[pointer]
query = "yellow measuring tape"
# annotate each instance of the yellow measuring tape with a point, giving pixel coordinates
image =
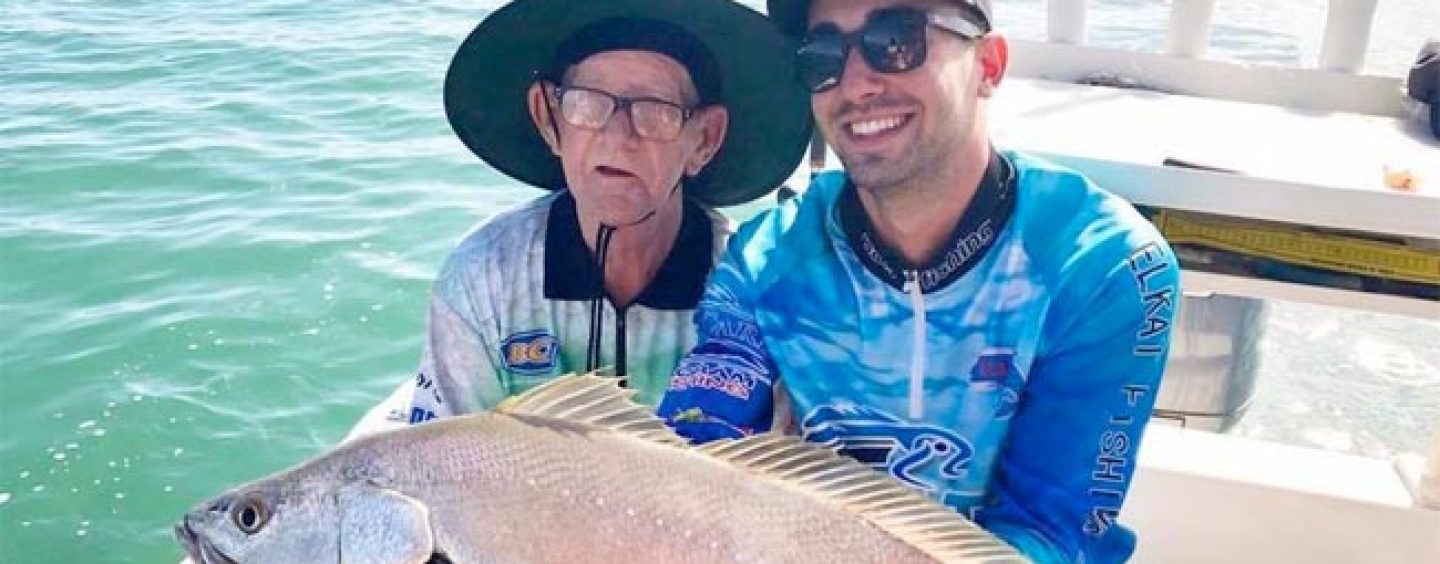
(1297, 246)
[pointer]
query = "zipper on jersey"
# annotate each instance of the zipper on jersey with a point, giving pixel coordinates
(917, 349)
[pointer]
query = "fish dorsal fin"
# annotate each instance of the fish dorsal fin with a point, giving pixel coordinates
(931, 527)
(591, 400)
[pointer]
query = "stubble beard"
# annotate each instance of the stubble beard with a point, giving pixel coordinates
(891, 177)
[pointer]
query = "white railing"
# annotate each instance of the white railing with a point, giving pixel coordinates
(1334, 82)
(1065, 22)
(1347, 33)
(1347, 29)
(1190, 27)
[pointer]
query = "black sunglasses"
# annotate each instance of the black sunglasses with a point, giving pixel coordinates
(891, 41)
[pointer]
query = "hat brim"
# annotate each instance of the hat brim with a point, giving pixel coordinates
(487, 83)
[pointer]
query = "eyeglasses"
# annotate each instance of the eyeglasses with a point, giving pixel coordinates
(891, 41)
(651, 118)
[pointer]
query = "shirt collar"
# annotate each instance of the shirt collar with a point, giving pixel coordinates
(571, 272)
(976, 231)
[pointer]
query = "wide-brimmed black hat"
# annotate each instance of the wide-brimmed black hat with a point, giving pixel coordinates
(792, 16)
(488, 80)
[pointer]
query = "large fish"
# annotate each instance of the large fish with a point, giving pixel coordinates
(573, 471)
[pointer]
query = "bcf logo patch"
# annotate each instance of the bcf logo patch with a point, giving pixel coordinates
(530, 352)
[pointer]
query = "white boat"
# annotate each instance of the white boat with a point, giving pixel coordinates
(1312, 146)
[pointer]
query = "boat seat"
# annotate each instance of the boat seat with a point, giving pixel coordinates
(1324, 169)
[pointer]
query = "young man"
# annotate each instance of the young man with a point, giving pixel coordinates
(640, 115)
(984, 326)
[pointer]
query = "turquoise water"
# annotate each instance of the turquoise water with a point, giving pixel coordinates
(218, 223)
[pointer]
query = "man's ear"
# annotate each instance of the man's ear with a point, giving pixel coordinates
(994, 59)
(541, 116)
(713, 121)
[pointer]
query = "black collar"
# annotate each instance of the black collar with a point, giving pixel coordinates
(571, 272)
(989, 210)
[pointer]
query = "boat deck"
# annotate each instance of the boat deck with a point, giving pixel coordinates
(1201, 497)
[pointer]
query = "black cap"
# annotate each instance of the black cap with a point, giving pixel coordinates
(793, 16)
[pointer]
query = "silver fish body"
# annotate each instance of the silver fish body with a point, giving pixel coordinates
(574, 472)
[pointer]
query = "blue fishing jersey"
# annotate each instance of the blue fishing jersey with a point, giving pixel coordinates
(1011, 378)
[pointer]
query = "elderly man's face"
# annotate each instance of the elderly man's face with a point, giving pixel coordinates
(889, 129)
(615, 174)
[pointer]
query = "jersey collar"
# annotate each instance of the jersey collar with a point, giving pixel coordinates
(572, 274)
(974, 234)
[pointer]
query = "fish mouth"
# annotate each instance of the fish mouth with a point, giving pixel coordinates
(197, 549)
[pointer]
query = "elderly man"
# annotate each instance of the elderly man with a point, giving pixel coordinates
(982, 325)
(640, 116)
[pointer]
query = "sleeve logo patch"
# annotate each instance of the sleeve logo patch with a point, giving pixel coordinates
(996, 367)
(529, 352)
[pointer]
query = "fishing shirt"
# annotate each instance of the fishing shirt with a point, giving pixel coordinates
(1010, 378)
(512, 308)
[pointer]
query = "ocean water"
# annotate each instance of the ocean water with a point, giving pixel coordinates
(218, 222)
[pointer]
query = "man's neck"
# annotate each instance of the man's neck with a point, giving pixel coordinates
(917, 219)
(636, 251)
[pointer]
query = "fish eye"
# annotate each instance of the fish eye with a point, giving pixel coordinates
(250, 514)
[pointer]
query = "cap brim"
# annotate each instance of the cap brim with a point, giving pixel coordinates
(792, 17)
(770, 124)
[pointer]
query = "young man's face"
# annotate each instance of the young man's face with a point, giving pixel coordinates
(616, 174)
(889, 129)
